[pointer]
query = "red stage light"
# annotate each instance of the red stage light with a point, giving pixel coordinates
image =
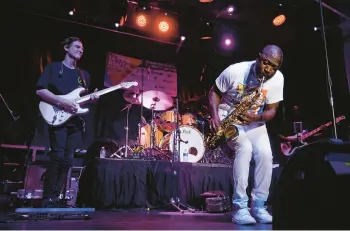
(279, 20)
(141, 20)
(163, 26)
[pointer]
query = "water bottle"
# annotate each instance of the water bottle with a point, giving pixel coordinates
(103, 152)
(185, 156)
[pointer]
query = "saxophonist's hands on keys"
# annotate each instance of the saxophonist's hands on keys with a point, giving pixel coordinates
(249, 118)
(215, 124)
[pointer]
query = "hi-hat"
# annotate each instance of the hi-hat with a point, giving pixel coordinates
(131, 97)
(156, 100)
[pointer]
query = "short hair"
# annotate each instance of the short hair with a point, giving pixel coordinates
(68, 41)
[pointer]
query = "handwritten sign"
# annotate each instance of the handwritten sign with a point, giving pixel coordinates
(150, 75)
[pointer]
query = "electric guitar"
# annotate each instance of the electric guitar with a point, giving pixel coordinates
(288, 147)
(56, 116)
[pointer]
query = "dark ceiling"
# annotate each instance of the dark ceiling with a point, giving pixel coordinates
(192, 15)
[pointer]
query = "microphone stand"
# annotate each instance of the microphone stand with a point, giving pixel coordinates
(15, 118)
(329, 80)
(126, 146)
(2, 138)
(175, 201)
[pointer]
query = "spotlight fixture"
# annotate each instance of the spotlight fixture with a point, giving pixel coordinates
(279, 20)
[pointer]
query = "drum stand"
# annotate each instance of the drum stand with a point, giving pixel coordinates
(126, 146)
(175, 201)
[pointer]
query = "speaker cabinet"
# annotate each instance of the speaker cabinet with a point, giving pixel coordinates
(313, 189)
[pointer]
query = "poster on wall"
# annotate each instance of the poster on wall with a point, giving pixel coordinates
(156, 76)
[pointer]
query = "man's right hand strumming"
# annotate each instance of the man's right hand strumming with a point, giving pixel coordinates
(67, 105)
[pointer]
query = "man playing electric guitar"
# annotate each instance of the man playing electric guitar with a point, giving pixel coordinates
(301, 138)
(60, 78)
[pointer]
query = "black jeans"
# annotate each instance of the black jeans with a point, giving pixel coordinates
(63, 141)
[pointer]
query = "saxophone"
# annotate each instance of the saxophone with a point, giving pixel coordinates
(228, 131)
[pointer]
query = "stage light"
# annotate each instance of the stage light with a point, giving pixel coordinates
(205, 1)
(71, 13)
(116, 24)
(227, 42)
(141, 20)
(183, 38)
(230, 9)
(279, 20)
(163, 26)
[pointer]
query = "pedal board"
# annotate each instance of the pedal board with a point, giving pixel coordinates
(54, 213)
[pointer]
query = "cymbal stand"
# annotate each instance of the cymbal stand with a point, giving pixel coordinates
(175, 201)
(126, 146)
(152, 130)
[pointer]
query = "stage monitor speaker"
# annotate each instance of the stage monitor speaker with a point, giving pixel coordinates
(313, 190)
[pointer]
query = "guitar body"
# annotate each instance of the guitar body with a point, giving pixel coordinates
(55, 116)
(288, 147)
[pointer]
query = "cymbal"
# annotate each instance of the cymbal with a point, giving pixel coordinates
(131, 97)
(157, 100)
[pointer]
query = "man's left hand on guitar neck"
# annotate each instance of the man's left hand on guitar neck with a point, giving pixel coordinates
(94, 97)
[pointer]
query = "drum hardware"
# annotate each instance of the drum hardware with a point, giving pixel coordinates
(155, 101)
(131, 97)
(126, 146)
(175, 200)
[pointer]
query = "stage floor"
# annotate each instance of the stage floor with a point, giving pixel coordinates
(138, 220)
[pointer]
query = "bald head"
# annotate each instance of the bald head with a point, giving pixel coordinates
(273, 53)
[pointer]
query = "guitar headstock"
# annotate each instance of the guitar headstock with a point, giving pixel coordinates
(129, 84)
(339, 118)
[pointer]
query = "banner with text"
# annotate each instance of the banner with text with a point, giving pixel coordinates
(156, 76)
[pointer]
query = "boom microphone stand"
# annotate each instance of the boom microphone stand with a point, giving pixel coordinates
(175, 201)
(126, 146)
(15, 118)
(2, 138)
(329, 80)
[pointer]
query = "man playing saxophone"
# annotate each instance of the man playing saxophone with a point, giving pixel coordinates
(235, 84)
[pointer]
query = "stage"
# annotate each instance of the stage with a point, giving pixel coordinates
(136, 219)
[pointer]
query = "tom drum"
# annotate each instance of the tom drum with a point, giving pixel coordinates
(145, 136)
(167, 121)
(188, 119)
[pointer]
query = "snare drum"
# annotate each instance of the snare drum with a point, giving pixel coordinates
(193, 141)
(145, 136)
(188, 119)
(167, 121)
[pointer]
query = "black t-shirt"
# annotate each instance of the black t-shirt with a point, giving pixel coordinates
(61, 80)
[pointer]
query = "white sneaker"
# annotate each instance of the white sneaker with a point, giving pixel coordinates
(243, 217)
(261, 215)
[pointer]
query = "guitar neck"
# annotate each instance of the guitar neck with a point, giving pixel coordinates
(307, 135)
(98, 93)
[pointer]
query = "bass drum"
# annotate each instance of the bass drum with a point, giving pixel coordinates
(193, 141)
(145, 136)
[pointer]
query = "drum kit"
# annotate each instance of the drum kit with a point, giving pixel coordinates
(169, 133)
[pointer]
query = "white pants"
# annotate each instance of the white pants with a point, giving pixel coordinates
(252, 142)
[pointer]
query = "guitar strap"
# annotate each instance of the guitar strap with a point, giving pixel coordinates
(81, 75)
